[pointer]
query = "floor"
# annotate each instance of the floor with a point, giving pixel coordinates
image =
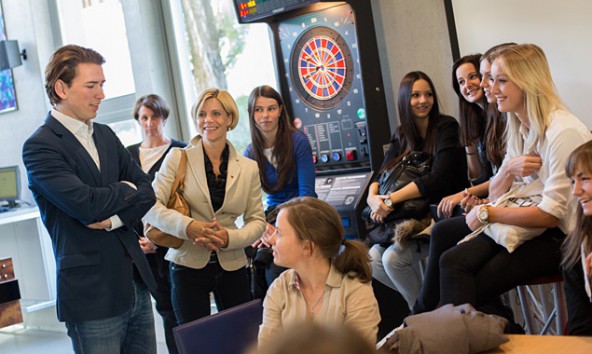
(42, 333)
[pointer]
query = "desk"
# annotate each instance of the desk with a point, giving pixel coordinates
(23, 237)
(526, 344)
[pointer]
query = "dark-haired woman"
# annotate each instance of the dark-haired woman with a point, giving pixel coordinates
(283, 154)
(422, 128)
(482, 129)
(151, 112)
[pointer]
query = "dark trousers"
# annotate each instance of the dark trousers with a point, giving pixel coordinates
(162, 295)
(191, 290)
(478, 270)
(579, 307)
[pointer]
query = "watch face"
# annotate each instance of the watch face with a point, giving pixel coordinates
(483, 214)
(388, 202)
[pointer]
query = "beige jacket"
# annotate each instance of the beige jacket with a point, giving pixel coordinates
(243, 197)
(346, 300)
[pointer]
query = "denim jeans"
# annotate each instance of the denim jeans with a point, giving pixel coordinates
(398, 267)
(191, 290)
(131, 332)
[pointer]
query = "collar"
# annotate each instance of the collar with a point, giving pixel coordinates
(333, 280)
(73, 125)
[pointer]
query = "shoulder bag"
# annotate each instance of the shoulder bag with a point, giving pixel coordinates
(412, 166)
(176, 202)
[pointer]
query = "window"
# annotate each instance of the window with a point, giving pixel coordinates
(99, 24)
(215, 51)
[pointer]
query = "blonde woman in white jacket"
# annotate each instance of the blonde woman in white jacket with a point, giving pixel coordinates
(220, 186)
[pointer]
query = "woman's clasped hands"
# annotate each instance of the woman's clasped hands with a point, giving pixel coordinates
(379, 209)
(209, 235)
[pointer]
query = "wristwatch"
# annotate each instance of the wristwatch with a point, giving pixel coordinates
(483, 214)
(388, 202)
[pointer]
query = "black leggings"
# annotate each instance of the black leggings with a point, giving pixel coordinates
(478, 270)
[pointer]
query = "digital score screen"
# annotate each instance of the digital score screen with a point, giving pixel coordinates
(252, 10)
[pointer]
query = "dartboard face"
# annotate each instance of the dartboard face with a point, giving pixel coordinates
(322, 67)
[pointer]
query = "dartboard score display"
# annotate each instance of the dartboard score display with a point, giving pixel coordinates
(322, 71)
(252, 10)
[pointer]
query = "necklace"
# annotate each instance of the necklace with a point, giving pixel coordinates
(312, 308)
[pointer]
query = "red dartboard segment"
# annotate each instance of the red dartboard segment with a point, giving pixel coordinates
(322, 67)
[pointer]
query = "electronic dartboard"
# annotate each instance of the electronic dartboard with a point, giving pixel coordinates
(321, 68)
(329, 76)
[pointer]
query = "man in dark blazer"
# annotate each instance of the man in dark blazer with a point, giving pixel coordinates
(90, 193)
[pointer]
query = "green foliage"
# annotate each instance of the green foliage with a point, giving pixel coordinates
(241, 135)
(232, 37)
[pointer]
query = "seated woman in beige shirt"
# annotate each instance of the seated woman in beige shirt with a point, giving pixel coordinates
(329, 279)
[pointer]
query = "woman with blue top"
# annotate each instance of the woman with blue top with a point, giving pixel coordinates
(284, 157)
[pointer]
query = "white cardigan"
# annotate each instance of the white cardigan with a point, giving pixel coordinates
(243, 197)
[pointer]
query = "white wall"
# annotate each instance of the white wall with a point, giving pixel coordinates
(23, 24)
(563, 29)
(413, 35)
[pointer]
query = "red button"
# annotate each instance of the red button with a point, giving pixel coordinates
(350, 155)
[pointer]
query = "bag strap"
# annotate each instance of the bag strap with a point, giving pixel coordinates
(179, 182)
(396, 171)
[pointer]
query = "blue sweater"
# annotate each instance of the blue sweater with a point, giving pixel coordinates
(304, 182)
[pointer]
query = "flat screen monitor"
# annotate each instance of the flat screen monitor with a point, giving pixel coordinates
(9, 185)
(253, 10)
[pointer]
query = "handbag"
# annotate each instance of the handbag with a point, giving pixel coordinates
(259, 259)
(176, 202)
(414, 165)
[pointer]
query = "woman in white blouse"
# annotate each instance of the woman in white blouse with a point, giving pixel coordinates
(151, 112)
(512, 245)
(329, 279)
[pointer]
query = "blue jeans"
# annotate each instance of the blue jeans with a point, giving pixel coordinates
(131, 332)
(399, 267)
(191, 290)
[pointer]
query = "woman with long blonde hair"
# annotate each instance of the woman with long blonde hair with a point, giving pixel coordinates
(541, 134)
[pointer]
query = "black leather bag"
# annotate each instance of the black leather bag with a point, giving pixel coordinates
(260, 259)
(412, 166)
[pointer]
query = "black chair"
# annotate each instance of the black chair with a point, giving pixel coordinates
(231, 331)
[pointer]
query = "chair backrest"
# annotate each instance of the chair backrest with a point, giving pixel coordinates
(231, 331)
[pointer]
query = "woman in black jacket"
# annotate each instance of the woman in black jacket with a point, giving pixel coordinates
(151, 112)
(422, 128)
